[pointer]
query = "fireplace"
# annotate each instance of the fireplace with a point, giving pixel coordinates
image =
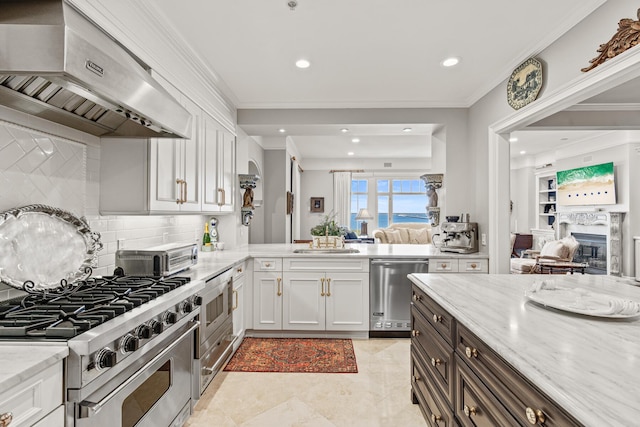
(592, 251)
(602, 235)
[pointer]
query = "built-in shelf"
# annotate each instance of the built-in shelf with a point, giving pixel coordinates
(546, 193)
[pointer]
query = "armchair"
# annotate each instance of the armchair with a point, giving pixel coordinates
(562, 250)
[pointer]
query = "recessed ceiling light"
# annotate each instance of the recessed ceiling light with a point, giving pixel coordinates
(282, 130)
(407, 130)
(344, 130)
(303, 63)
(355, 140)
(450, 62)
(523, 152)
(350, 153)
(513, 139)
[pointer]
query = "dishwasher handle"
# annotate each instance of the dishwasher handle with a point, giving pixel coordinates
(398, 261)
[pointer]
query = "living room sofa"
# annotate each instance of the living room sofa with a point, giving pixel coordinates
(404, 233)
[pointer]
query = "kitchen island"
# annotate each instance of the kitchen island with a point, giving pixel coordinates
(588, 366)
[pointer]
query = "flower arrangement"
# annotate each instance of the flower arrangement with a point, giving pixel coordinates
(328, 227)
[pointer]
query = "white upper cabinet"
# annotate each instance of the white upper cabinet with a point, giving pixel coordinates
(219, 167)
(164, 175)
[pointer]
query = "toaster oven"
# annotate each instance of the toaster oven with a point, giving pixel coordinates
(163, 260)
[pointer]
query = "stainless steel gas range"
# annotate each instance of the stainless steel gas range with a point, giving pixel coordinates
(131, 346)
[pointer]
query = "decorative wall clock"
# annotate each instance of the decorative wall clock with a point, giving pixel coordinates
(525, 83)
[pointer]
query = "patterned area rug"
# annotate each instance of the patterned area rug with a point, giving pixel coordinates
(318, 355)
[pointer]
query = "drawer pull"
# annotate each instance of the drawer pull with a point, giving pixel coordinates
(435, 418)
(267, 264)
(435, 362)
(443, 265)
(471, 352)
(417, 297)
(474, 265)
(468, 411)
(416, 378)
(535, 417)
(322, 293)
(239, 270)
(279, 280)
(415, 333)
(5, 419)
(437, 319)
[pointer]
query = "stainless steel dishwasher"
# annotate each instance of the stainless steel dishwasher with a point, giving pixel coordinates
(390, 295)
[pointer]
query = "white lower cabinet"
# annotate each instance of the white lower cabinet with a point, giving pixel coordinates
(319, 301)
(458, 265)
(37, 400)
(239, 279)
(318, 294)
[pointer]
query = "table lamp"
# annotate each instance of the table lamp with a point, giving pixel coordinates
(363, 215)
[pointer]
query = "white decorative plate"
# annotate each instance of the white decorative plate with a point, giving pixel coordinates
(45, 246)
(582, 301)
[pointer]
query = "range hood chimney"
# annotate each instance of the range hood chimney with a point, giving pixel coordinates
(57, 65)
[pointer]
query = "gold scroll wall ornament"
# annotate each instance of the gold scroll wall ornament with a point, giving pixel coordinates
(627, 36)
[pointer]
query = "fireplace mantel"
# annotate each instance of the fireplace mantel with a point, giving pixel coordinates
(604, 223)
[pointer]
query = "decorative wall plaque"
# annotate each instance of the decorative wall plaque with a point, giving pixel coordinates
(524, 84)
(627, 36)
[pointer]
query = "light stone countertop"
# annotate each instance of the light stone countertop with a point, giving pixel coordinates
(589, 366)
(21, 361)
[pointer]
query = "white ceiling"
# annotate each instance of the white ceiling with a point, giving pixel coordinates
(365, 53)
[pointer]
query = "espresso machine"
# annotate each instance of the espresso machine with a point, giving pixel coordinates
(459, 237)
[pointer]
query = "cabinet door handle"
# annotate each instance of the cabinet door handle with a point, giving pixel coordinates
(471, 352)
(535, 416)
(435, 362)
(322, 287)
(235, 292)
(437, 319)
(468, 411)
(279, 280)
(179, 200)
(5, 419)
(185, 198)
(221, 192)
(436, 418)
(328, 287)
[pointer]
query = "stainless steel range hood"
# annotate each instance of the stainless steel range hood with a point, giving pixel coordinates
(56, 64)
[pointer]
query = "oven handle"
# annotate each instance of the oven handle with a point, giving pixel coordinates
(89, 409)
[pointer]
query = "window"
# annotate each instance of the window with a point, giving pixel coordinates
(397, 200)
(401, 200)
(359, 198)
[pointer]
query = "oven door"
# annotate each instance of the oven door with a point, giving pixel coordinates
(159, 394)
(216, 306)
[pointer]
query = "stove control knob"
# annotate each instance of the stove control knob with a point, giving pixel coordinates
(106, 358)
(185, 307)
(197, 300)
(156, 327)
(129, 343)
(169, 318)
(144, 332)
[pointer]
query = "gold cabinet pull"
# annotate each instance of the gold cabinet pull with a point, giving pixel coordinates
(417, 297)
(474, 265)
(435, 362)
(535, 416)
(416, 378)
(179, 200)
(267, 264)
(415, 333)
(221, 192)
(468, 411)
(435, 418)
(5, 419)
(236, 294)
(239, 269)
(279, 280)
(185, 197)
(443, 265)
(471, 352)
(328, 287)
(322, 287)
(437, 319)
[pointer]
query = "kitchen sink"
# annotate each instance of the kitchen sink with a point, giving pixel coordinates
(327, 251)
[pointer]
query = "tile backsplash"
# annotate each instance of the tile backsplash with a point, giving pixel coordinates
(36, 167)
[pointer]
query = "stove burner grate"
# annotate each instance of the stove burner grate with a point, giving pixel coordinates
(78, 308)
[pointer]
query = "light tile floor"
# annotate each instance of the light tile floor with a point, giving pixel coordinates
(379, 395)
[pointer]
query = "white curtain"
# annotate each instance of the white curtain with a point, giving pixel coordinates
(342, 197)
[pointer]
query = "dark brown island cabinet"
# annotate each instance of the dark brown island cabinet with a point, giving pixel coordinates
(459, 381)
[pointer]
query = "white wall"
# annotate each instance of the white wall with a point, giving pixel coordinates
(524, 198)
(314, 183)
